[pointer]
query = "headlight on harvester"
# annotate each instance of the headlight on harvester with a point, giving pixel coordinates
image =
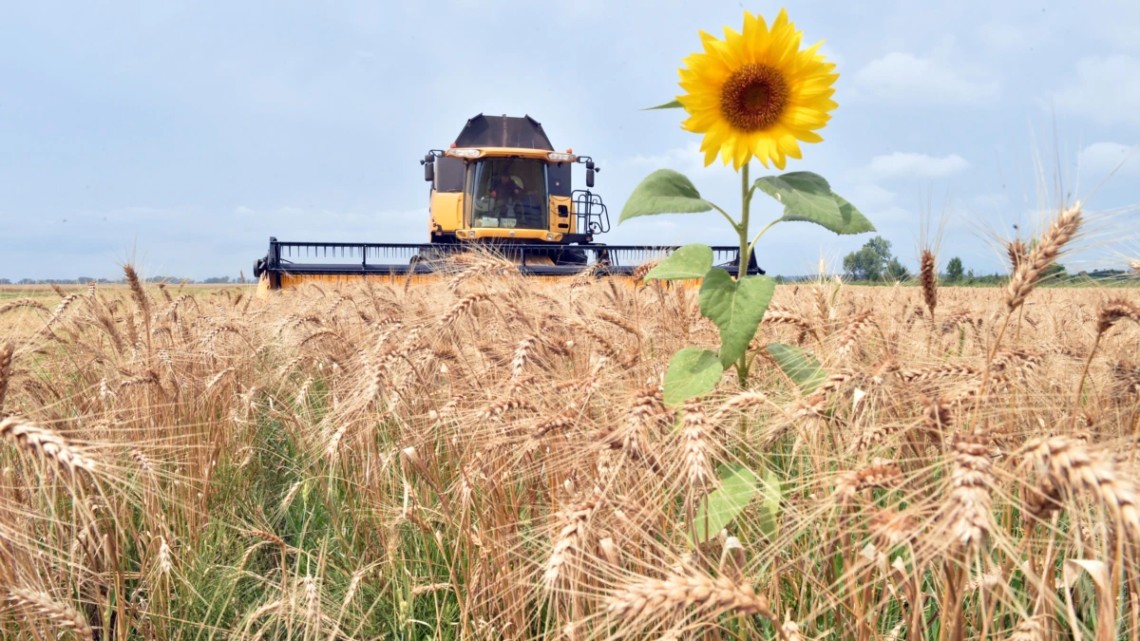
(556, 156)
(464, 153)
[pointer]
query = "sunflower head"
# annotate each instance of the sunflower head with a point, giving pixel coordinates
(757, 93)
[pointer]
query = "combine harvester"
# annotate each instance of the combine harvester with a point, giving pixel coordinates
(500, 187)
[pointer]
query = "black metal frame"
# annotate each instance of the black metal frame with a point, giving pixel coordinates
(604, 259)
(593, 216)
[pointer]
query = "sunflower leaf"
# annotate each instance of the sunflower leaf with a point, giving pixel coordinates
(807, 196)
(737, 307)
(664, 192)
(804, 370)
(692, 372)
(672, 104)
(738, 487)
(687, 263)
(770, 512)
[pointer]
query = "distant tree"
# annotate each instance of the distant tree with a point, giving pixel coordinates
(954, 270)
(5, 281)
(217, 280)
(870, 262)
(896, 271)
(1054, 271)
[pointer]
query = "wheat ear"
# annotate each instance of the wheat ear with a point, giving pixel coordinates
(646, 600)
(5, 372)
(1068, 463)
(44, 443)
(1028, 271)
(971, 481)
(1110, 312)
(929, 278)
(42, 604)
(574, 523)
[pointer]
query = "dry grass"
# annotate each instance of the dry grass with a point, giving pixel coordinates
(490, 457)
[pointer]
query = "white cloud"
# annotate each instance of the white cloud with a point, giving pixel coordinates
(1103, 158)
(868, 195)
(909, 79)
(902, 164)
(1105, 89)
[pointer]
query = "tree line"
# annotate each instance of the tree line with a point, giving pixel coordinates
(874, 263)
(84, 280)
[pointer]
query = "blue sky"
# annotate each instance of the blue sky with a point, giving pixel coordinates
(181, 135)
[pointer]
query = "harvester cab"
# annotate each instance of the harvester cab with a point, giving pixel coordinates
(500, 186)
(502, 181)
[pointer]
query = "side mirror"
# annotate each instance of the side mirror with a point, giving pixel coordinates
(589, 176)
(429, 167)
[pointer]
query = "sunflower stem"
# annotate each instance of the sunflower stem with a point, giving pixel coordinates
(742, 229)
(752, 244)
(735, 225)
(745, 254)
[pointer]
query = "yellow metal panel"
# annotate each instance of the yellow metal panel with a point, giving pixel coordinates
(446, 211)
(570, 219)
(499, 232)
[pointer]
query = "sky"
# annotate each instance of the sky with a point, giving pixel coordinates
(180, 136)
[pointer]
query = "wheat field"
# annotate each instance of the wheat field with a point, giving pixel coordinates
(489, 457)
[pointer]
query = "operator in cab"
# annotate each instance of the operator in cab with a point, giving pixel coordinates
(506, 188)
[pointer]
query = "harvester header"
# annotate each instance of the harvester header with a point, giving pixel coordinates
(500, 186)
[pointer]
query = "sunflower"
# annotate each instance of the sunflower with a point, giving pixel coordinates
(756, 93)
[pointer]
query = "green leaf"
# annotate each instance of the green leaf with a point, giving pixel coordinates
(688, 262)
(853, 221)
(672, 104)
(804, 370)
(736, 306)
(770, 506)
(693, 372)
(664, 192)
(807, 196)
(738, 486)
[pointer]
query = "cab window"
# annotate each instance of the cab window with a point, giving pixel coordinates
(510, 193)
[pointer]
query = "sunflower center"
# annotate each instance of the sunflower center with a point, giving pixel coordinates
(753, 97)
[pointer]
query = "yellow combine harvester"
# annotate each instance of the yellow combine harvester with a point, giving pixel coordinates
(501, 186)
